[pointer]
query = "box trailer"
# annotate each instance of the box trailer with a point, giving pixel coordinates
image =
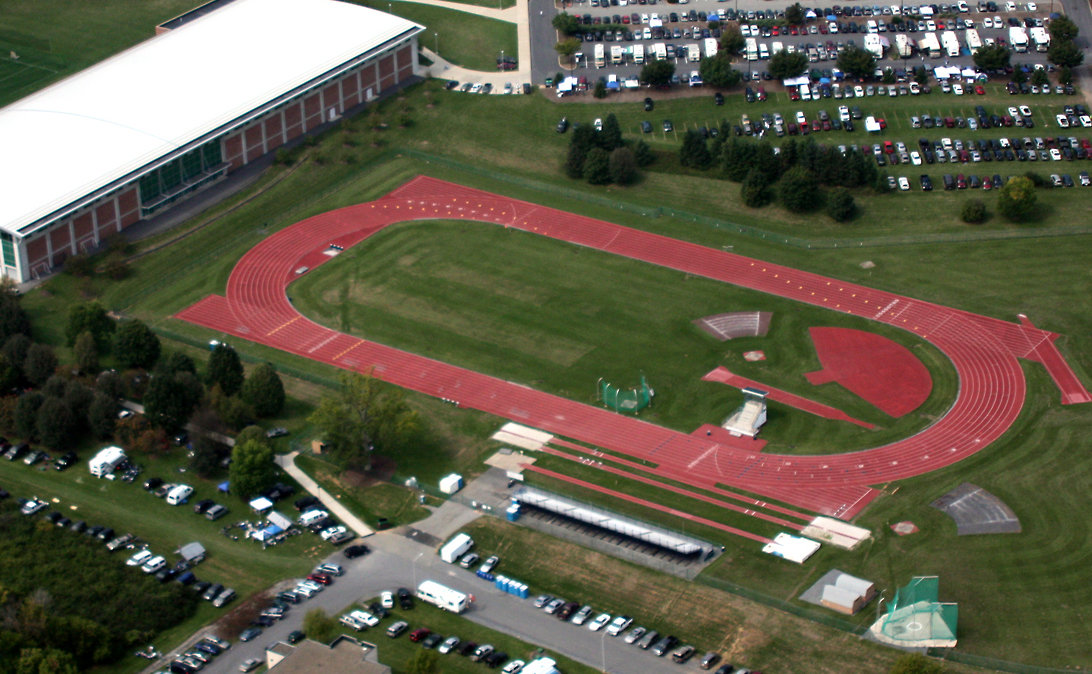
(616, 54)
(106, 461)
(638, 54)
(455, 548)
(950, 43)
(661, 51)
(903, 46)
(1018, 38)
(1041, 38)
(930, 46)
(711, 47)
(600, 55)
(974, 41)
(693, 53)
(750, 46)
(874, 44)
(443, 597)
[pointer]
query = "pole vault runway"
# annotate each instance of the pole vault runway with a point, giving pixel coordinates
(983, 350)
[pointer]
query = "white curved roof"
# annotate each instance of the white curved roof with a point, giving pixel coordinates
(95, 127)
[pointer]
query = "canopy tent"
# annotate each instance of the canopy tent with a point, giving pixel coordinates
(192, 552)
(279, 520)
(261, 504)
(267, 533)
(796, 81)
(223, 487)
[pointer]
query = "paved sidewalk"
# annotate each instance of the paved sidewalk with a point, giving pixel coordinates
(288, 462)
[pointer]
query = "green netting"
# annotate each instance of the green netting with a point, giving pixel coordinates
(625, 400)
(916, 614)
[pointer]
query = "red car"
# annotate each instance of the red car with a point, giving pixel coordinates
(882, 122)
(980, 90)
(419, 634)
(321, 578)
(888, 147)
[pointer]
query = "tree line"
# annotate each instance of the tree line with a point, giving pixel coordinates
(69, 606)
(604, 157)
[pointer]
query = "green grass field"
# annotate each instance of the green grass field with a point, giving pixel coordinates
(467, 40)
(66, 36)
(558, 317)
(1012, 589)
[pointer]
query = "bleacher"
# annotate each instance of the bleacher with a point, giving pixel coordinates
(736, 324)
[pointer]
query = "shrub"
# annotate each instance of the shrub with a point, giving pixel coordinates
(840, 205)
(973, 212)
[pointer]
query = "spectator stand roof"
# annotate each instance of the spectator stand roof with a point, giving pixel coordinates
(89, 131)
(663, 538)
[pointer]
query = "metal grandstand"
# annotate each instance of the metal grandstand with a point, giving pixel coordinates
(669, 540)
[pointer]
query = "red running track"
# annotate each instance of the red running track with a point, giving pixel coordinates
(984, 351)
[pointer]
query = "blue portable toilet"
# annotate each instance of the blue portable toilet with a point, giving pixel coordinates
(513, 512)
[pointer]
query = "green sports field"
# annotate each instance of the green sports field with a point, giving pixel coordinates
(558, 317)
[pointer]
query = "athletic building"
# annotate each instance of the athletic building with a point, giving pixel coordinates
(147, 128)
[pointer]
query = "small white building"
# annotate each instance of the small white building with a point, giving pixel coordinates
(106, 461)
(848, 594)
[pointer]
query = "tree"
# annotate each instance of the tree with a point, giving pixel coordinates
(1065, 53)
(566, 23)
(915, 663)
(794, 15)
(597, 167)
(45, 661)
(1065, 75)
(657, 73)
(600, 90)
(110, 384)
(26, 414)
(755, 190)
(128, 430)
(363, 415)
(994, 57)
(694, 152)
(225, 370)
(840, 205)
(642, 153)
(15, 351)
(40, 364)
(921, 75)
(857, 62)
(251, 468)
(170, 399)
(1039, 77)
(623, 166)
(1019, 76)
(55, 386)
(263, 390)
(799, 190)
(973, 212)
(567, 47)
(77, 398)
(580, 144)
(784, 65)
(102, 413)
(731, 39)
(86, 352)
(888, 76)
(611, 135)
(1017, 198)
(717, 72)
(253, 434)
(136, 345)
(234, 412)
(1063, 29)
(89, 317)
(13, 319)
(424, 661)
(319, 627)
(55, 423)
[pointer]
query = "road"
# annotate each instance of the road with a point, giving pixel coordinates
(396, 561)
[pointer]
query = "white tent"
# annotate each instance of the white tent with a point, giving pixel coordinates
(871, 125)
(796, 81)
(261, 504)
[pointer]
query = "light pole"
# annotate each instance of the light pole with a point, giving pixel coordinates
(437, 36)
(415, 570)
(603, 649)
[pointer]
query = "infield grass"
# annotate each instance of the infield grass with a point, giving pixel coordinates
(557, 317)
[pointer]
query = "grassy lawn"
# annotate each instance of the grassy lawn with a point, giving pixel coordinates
(1040, 468)
(396, 652)
(383, 499)
(57, 38)
(499, 4)
(558, 317)
(744, 633)
(467, 40)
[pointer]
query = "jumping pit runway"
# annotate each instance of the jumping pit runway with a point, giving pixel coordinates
(983, 350)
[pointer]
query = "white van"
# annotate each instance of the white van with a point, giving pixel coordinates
(312, 516)
(179, 494)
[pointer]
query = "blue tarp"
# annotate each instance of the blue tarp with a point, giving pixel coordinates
(223, 487)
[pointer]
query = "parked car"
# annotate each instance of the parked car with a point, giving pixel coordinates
(449, 644)
(65, 461)
(432, 640)
(140, 558)
(635, 635)
(354, 551)
(581, 616)
(212, 592)
(250, 664)
(683, 654)
(709, 659)
(489, 564)
(397, 628)
(618, 625)
(600, 621)
(661, 647)
(119, 542)
(223, 598)
(481, 652)
(496, 659)
(154, 564)
(204, 504)
(514, 667)
(648, 639)
(250, 633)
(469, 560)
(215, 512)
